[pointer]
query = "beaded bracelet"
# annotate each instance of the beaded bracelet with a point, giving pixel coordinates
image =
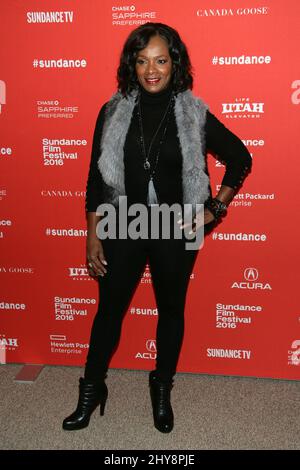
(216, 207)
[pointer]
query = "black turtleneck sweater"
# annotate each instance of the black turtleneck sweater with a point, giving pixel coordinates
(168, 176)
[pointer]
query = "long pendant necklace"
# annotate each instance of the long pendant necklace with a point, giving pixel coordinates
(152, 196)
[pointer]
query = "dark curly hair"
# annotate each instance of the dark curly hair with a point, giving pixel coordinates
(138, 40)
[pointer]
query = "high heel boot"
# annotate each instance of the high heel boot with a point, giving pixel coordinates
(160, 392)
(91, 394)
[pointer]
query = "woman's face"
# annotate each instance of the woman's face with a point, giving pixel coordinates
(154, 65)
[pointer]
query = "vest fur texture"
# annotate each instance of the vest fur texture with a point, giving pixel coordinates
(190, 116)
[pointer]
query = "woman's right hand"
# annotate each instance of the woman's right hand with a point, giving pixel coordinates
(95, 257)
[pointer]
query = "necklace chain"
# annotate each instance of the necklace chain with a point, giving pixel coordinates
(147, 165)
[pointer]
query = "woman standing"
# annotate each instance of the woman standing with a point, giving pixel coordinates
(150, 145)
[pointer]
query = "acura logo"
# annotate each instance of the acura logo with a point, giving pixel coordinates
(151, 345)
(250, 274)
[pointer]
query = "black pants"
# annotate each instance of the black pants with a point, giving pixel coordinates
(171, 265)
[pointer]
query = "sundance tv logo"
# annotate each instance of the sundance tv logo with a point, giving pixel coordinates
(49, 17)
(240, 354)
(250, 282)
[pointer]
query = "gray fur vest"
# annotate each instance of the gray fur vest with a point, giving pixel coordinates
(190, 116)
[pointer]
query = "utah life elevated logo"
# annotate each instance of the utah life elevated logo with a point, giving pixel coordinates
(243, 108)
(7, 344)
(250, 282)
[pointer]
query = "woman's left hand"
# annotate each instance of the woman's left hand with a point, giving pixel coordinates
(208, 217)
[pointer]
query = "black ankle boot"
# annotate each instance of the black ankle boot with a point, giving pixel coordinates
(160, 392)
(91, 394)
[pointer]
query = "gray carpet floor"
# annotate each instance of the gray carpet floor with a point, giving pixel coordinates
(211, 412)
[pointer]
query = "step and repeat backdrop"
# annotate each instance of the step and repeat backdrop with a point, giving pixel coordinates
(58, 66)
